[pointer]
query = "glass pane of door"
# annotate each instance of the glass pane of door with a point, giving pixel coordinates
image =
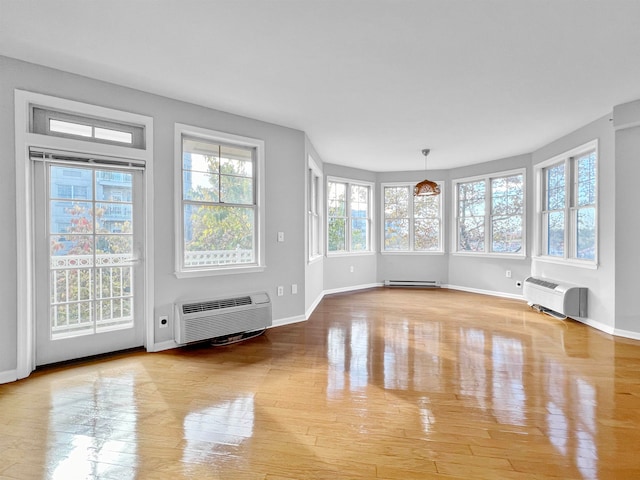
(91, 263)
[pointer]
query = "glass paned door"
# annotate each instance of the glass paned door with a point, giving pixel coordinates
(88, 285)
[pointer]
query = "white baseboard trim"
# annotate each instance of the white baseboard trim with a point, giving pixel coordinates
(625, 333)
(166, 345)
(8, 376)
(598, 325)
(484, 292)
(352, 288)
(313, 306)
(288, 321)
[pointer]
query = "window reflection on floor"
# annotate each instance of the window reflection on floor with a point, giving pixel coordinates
(217, 429)
(92, 429)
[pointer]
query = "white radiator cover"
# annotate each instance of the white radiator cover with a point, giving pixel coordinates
(199, 320)
(412, 283)
(568, 299)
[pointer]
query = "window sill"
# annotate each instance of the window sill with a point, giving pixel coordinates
(210, 272)
(414, 252)
(315, 259)
(349, 254)
(588, 264)
(512, 256)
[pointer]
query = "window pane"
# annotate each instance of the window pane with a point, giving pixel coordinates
(426, 227)
(113, 217)
(586, 234)
(337, 235)
(555, 183)
(113, 135)
(471, 234)
(359, 234)
(237, 190)
(359, 201)
(218, 235)
(73, 217)
(471, 199)
(427, 234)
(114, 244)
(396, 202)
(426, 206)
(555, 234)
(70, 128)
(586, 179)
(506, 234)
(337, 199)
(200, 186)
(396, 234)
(236, 167)
(201, 163)
(471, 210)
(507, 195)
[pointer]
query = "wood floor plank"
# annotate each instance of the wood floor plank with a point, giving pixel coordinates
(383, 384)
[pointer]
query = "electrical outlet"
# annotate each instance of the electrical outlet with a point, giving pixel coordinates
(280, 291)
(351, 268)
(281, 236)
(294, 289)
(507, 274)
(163, 321)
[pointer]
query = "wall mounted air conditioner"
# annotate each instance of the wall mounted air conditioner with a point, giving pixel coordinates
(217, 317)
(564, 298)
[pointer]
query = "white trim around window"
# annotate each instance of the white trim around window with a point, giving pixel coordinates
(566, 223)
(253, 202)
(350, 217)
(491, 209)
(28, 136)
(402, 212)
(315, 195)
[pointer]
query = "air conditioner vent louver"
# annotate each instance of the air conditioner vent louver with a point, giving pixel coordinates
(215, 304)
(218, 317)
(541, 282)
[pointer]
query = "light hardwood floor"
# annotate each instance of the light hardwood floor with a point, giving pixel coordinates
(378, 384)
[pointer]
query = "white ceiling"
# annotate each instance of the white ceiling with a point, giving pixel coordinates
(372, 82)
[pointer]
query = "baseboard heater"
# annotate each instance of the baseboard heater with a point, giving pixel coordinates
(230, 317)
(412, 283)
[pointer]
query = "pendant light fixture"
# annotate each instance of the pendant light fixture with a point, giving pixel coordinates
(426, 187)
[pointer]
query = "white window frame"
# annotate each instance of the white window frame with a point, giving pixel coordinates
(567, 159)
(182, 130)
(488, 216)
(26, 137)
(315, 195)
(411, 250)
(370, 218)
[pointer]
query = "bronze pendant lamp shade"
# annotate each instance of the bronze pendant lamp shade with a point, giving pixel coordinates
(426, 187)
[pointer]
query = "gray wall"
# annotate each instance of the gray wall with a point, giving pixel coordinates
(627, 227)
(410, 266)
(487, 273)
(601, 281)
(612, 287)
(285, 165)
(314, 271)
(346, 272)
